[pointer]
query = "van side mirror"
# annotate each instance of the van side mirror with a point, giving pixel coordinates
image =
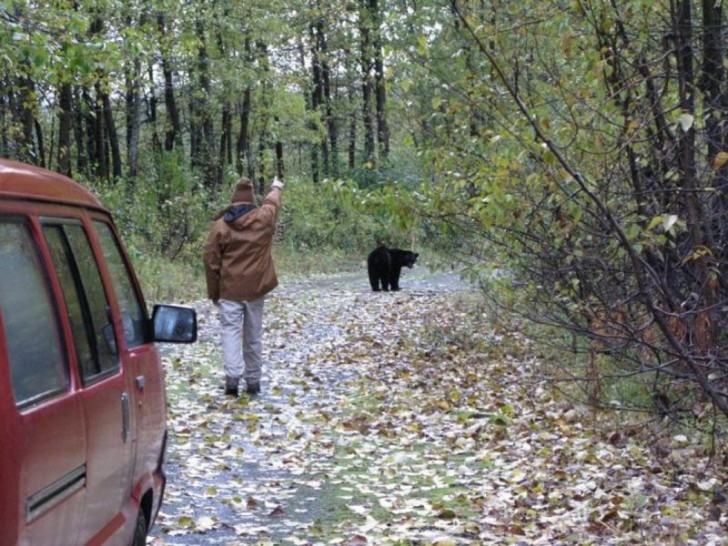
(173, 324)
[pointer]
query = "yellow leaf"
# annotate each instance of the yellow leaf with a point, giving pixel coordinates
(719, 160)
(185, 521)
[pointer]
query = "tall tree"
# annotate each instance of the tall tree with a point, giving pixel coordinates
(65, 125)
(133, 117)
(367, 66)
(263, 127)
(202, 136)
(173, 130)
(374, 15)
(243, 155)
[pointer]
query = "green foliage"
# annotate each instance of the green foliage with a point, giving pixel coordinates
(166, 281)
(335, 215)
(163, 218)
(552, 154)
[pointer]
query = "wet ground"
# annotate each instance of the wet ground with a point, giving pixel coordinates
(412, 419)
(245, 471)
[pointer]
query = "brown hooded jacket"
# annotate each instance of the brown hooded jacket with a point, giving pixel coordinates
(237, 254)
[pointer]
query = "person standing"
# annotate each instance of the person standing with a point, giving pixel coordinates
(239, 271)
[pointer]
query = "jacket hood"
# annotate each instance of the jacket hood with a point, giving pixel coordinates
(235, 211)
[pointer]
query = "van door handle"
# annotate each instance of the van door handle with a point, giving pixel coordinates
(124, 416)
(140, 382)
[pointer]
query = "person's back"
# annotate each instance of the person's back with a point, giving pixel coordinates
(239, 270)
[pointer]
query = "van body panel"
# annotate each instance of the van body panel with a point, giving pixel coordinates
(109, 454)
(82, 432)
(41, 464)
(53, 470)
(151, 403)
(27, 182)
(12, 446)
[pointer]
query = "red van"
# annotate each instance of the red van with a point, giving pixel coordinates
(82, 398)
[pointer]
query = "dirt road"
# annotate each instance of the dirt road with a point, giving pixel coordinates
(388, 419)
(241, 472)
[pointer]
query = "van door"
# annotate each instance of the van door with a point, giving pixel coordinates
(139, 357)
(42, 460)
(104, 395)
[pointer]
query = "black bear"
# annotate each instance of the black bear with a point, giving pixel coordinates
(385, 265)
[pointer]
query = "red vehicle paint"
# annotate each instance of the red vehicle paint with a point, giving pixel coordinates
(82, 397)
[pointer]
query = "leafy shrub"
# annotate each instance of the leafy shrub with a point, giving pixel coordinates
(336, 216)
(163, 216)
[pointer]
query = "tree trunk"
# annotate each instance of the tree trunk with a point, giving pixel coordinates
(173, 130)
(97, 104)
(266, 105)
(25, 119)
(366, 87)
(202, 132)
(226, 136)
(712, 83)
(79, 132)
(330, 147)
(242, 148)
(40, 143)
(243, 145)
(152, 111)
(4, 112)
(380, 84)
(133, 118)
(279, 166)
(93, 118)
(352, 130)
(196, 147)
(65, 125)
(225, 151)
(111, 136)
(315, 99)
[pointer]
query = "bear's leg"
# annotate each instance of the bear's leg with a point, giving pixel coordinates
(373, 280)
(394, 277)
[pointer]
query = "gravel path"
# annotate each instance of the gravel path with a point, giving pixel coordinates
(413, 419)
(238, 470)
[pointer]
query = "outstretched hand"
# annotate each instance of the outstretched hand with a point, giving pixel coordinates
(277, 183)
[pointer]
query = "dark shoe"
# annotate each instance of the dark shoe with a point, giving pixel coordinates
(231, 386)
(253, 387)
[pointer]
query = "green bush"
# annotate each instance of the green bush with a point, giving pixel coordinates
(164, 217)
(335, 216)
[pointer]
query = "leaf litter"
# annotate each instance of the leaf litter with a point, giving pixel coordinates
(407, 419)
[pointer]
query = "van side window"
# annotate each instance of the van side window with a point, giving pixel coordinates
(33, 343)
(83, 290)
(134, 317)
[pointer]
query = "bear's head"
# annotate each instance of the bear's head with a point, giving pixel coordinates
(409, 258)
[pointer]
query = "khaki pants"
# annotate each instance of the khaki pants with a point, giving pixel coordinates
(241, 332)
